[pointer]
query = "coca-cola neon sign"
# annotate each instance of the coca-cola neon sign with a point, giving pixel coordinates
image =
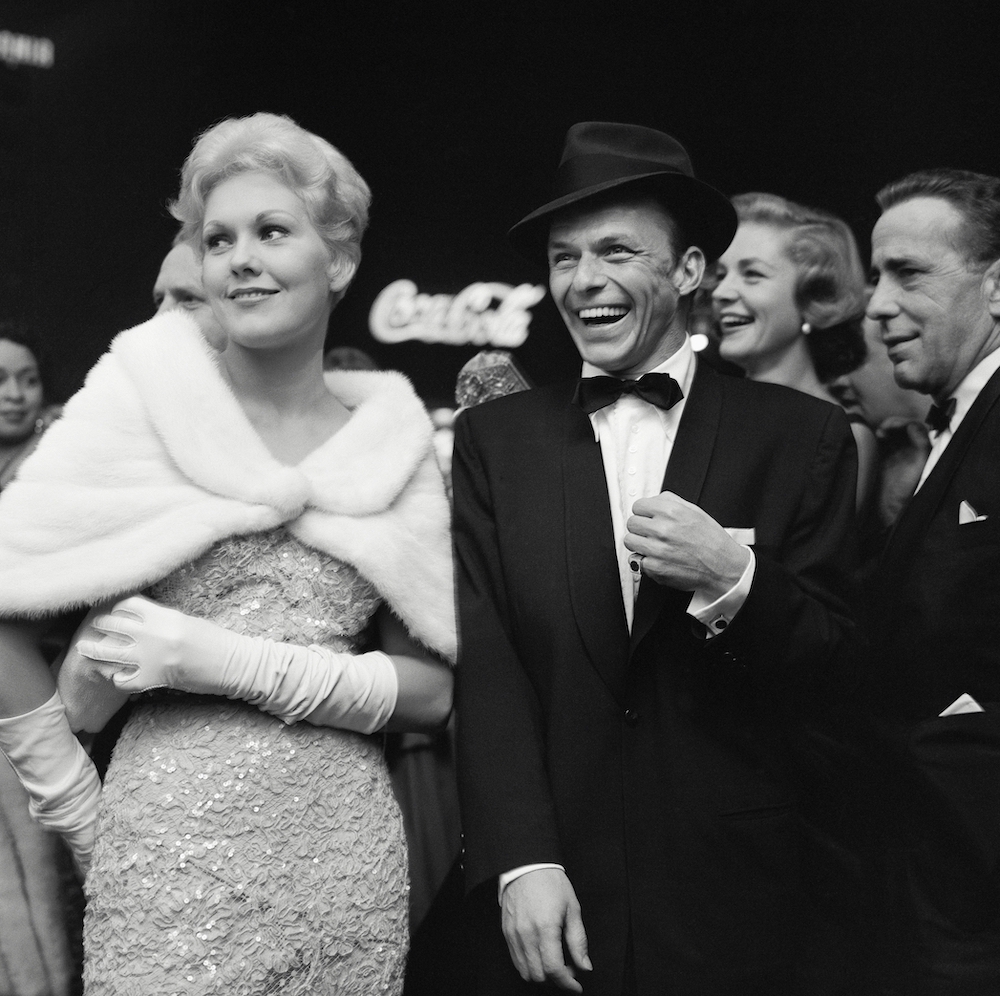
(483, 314)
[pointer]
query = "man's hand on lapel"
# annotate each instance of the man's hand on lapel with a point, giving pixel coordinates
(542, 924)
(683, 547)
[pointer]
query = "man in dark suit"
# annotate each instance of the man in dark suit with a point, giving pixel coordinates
(654, 608)
(936, 596)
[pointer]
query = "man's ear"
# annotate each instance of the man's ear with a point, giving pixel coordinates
(689, 271)
(991, 289)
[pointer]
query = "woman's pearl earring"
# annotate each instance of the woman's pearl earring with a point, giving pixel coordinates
(806, 328)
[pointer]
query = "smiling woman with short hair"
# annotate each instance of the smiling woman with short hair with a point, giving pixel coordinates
(789, 296)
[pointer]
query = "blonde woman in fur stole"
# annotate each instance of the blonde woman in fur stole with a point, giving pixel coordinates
(273, 519)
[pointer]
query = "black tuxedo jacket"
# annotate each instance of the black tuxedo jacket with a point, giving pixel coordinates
(936, 611)
(935, 625)
(662, 770)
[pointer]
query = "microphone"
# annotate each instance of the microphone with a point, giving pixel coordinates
(491, 373)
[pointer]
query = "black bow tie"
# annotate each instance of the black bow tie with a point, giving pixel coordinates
(595, 393)
(939, 417)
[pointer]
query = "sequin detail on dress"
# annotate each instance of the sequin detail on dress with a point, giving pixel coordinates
(236, 854)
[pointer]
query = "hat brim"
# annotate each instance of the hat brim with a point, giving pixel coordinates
(706, 215)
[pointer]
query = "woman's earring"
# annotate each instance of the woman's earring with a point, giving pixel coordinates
(806, 328)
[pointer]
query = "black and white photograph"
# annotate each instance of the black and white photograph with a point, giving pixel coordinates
(499, 499)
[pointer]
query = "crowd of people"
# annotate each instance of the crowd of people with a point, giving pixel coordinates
(699, 649)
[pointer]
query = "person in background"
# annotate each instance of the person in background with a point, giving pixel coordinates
(934, 600)
(41, 904)
(347, 358)
(178, 286)
(24, 414)
(896, 415)
(789, 295)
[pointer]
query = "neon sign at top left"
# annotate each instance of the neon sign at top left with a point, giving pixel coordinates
(23, 50)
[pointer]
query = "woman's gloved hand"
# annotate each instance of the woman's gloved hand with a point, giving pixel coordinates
(60, 779)
(158, 647)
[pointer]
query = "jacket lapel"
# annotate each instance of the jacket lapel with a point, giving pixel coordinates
(685, 476)
(592, 567)
(916, 516)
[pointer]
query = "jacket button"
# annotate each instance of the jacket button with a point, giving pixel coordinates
(631, 717)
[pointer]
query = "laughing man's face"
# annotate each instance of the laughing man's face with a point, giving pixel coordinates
(617, 278)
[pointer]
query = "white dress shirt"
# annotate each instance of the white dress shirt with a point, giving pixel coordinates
(636, 440)
(965, 396)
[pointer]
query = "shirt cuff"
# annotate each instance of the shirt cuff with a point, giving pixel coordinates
(507, 877)
(716, 615)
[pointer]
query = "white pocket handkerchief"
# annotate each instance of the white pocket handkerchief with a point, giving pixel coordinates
(746, 536)
(966, 513)
(964, 703)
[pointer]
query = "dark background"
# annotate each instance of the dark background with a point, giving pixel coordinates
(455, 116)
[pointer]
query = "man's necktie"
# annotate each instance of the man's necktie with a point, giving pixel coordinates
(939, 417)
(595, 393)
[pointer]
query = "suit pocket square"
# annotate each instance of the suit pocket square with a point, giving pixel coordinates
(965, 703)
(746, 536)
(966, 514)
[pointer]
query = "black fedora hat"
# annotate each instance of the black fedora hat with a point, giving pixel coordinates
(600, 156)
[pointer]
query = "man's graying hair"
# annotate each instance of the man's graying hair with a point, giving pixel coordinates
(975, 195)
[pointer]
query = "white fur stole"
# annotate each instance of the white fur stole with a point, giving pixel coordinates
(154, 461)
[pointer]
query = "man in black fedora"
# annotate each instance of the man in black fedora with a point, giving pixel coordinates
(653, 574)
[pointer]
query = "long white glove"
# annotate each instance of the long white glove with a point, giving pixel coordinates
(159, 647)
(61, 781)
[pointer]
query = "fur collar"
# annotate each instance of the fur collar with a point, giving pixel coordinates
(130, 484)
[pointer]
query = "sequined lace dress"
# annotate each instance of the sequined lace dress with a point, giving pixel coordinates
(236, 854)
